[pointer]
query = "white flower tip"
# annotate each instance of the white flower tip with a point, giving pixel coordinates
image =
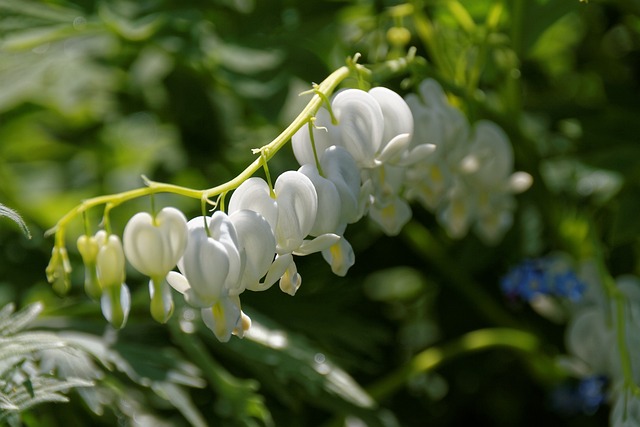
(243, 325)
(178, 282)
(469, 164)
(520, 182)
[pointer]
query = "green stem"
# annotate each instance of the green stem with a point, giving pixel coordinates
(613, 294)
(513, 87)
(433, 357)
(326, 87)
(313, 147)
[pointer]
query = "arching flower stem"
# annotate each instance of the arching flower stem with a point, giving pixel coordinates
(267, 152)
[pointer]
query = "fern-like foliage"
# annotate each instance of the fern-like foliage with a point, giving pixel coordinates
(15, 217)
(24, 382)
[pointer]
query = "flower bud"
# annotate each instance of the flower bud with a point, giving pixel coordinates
(58, 270)
(88, 248)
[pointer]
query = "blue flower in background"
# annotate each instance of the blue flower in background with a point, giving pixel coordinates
(568, 285)
(542, 276)
(584, 396)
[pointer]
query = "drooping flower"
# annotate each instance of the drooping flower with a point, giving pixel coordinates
(88, 248)
(291, 212)
(153, 245)
(59, 269)
(110, 271)
(468, 180)
(257, 248)
(211, 271)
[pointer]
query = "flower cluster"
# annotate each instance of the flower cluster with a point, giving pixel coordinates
(359, 156)
(468, 181)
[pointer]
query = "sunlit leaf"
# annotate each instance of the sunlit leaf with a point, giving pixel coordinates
(14, 216)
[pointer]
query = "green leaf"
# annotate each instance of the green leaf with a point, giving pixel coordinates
(41, 10)
(13, 215)
(539, 17)
(296, 369)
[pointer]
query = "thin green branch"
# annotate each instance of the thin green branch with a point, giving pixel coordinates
(268, 151)
(433, 357)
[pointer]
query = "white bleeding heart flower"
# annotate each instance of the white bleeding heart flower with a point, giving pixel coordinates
(257, 247)
(361, 125)
(225, 318)
(211, 264)
(153, 245)
(88, 248)
(110, 270)
(328, 213)
(290, 281)
(211, 274)
(115, 304)
(340, 257)
(339, 167)
(325, 135)
(398, 131)
(109, 260)
(291, 211)
(397, 117)
(297, 203)
(489, 159)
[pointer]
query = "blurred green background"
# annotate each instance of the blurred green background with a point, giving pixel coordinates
(96, 93)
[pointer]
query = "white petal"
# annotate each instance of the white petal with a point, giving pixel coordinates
(172, 225)
(115, 304)
(110, 262)
(397, 115)
(178, 282)
(320, 243)
(222, 318)
(162, 303)
(328, 214)
(276, 270)
(142, 242)
(391, 217)
(222, 230)
(395, 150)
(253, 194)
(324, 135)
(259, 244)
(361, 124)
(205, 264)
(520, 182)
(340, 257)
(290, 281)
(297, 203)
(491, 150)
(340, 168)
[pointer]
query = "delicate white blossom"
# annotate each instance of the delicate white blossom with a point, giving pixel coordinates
(153, 245)
(110, 270)
(211, 271)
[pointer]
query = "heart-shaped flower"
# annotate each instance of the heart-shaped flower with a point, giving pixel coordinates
(211, 265)
(153, 245)
(291, 211)
(257, 246)
(110, 263)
